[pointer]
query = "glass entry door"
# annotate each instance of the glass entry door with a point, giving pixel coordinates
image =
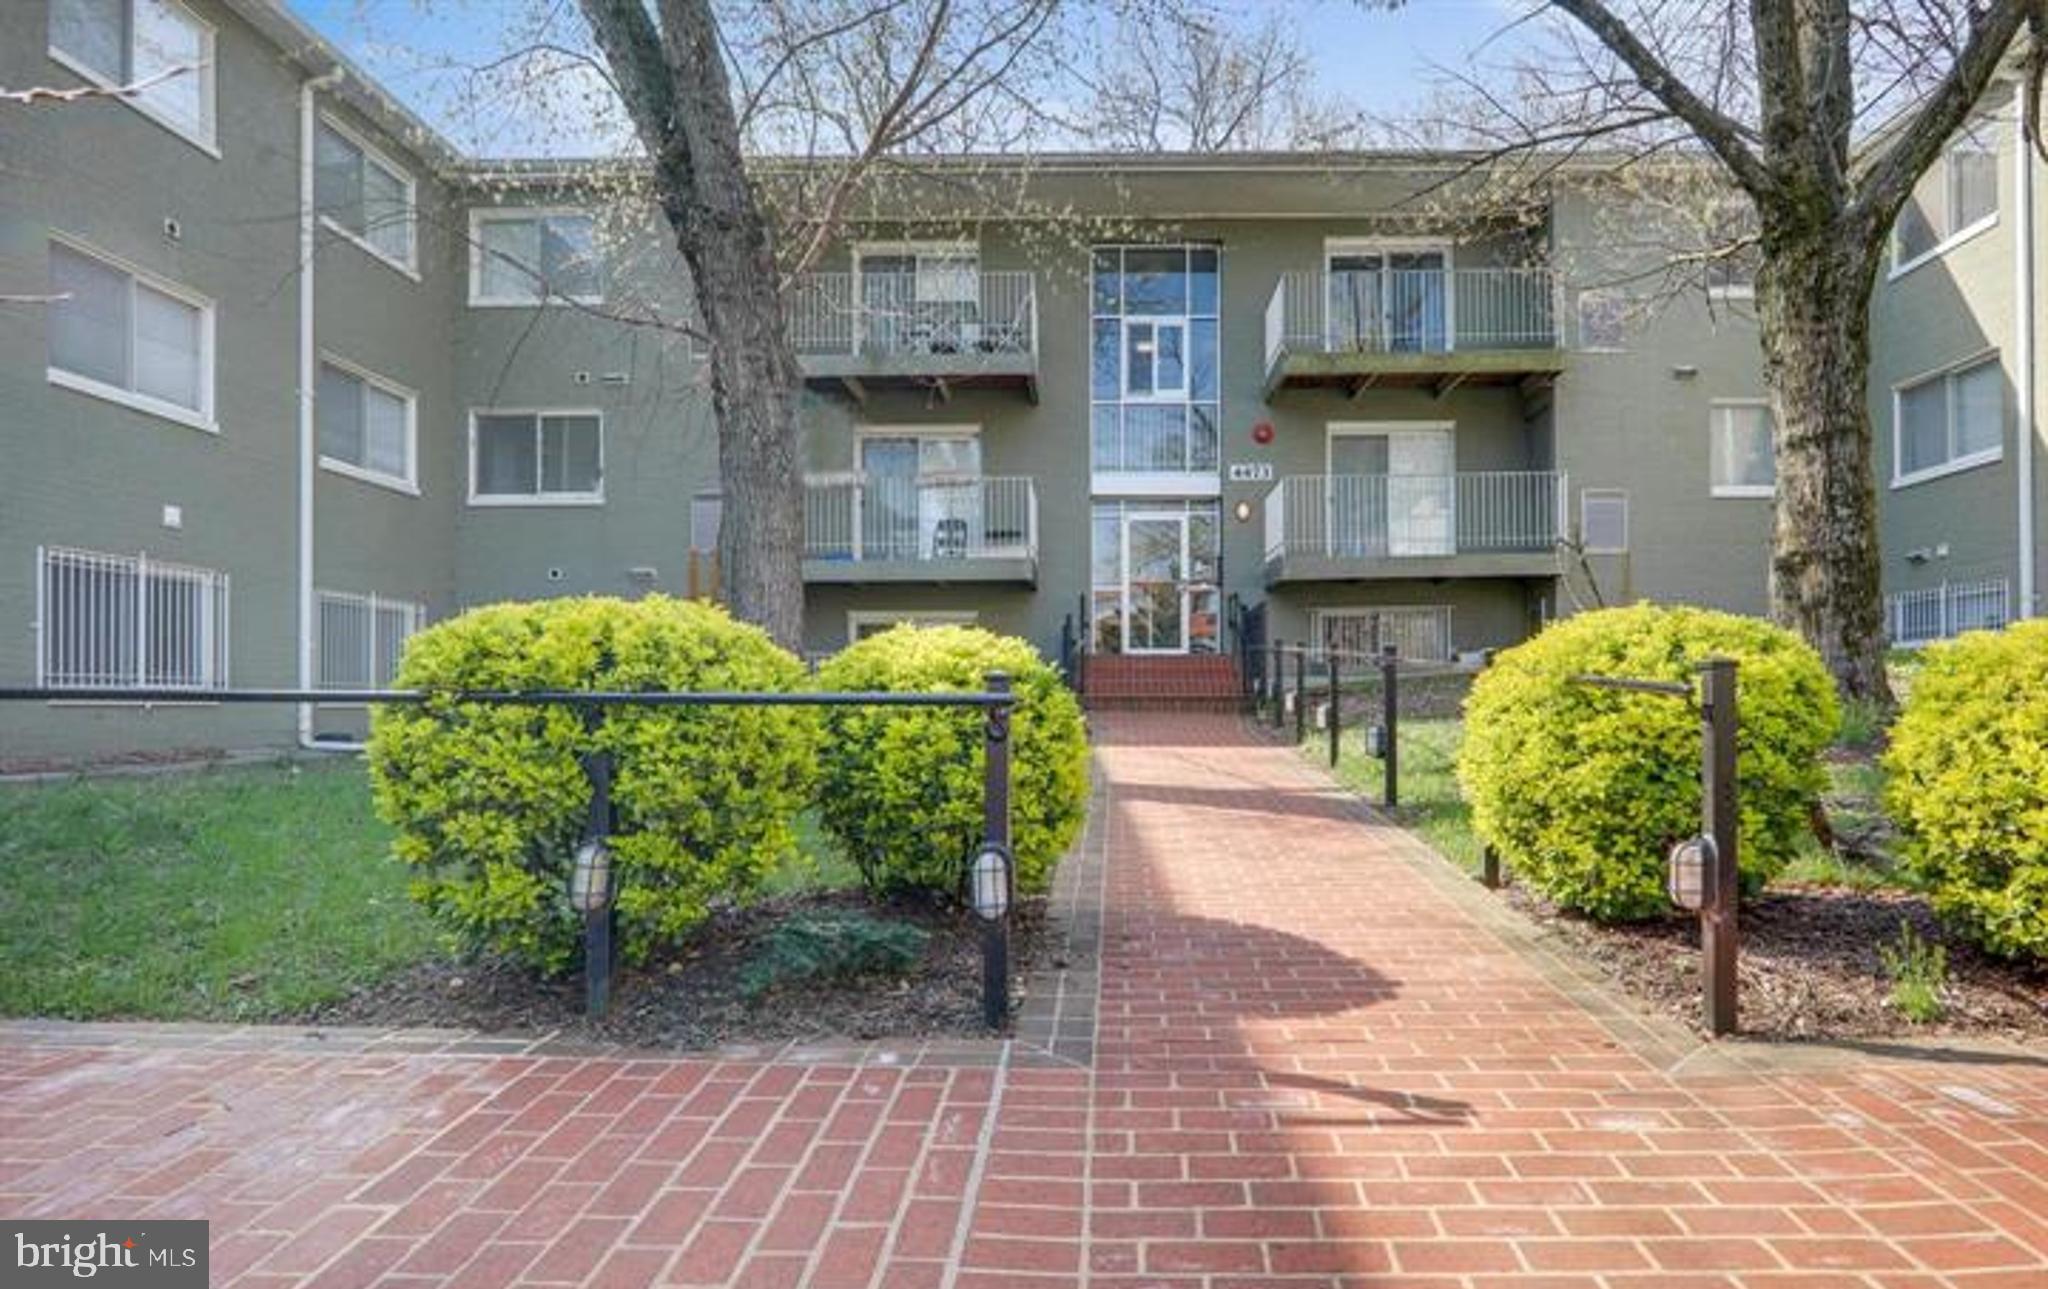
(1155, 550)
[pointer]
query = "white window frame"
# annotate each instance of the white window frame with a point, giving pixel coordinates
(410, 265)
(1180, 394)
(536, 498)
(858, 618)
(1605, 494)
(203, 417)
(1956, 236)
(207, 136)
(409, 482)
(542, 299)
(1954, 464)
(1714, 409)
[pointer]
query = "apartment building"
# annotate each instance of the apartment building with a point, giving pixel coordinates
(307, 378)
(1955, 381)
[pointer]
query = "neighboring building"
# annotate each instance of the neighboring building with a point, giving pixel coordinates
(1211, 384)
(1954, 382)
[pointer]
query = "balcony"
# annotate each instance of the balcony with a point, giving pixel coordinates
(862, 530)
(1436, 328)
(934, 329)
(1353, 527)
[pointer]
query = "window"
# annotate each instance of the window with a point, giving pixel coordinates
(1385, 299)
(1155, 385)
(363, 196)
(1956, 198)
(1603, 319)
(532, 257)
(1947, 610)
(128, 337)
(113, 621)
(1949, 421)
(362, 637)
(862, 623)
(156, 47)
(925, 297)
(366, 425)
(1417, 632)
(1741, 460)
(536, 458)
(1603, 521)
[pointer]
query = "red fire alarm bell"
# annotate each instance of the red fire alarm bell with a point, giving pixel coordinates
(1262, 432)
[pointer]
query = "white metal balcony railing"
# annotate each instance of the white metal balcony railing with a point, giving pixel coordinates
(1380, 516)
(1410, 311)
(905, 314)
(1944, 611)
(878, 518)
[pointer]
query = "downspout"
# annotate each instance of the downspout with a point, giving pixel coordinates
(2023, 345)
(309, 463)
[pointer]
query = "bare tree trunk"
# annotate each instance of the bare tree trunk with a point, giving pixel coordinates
(1814, 304)
(673, 82)
(754, 391)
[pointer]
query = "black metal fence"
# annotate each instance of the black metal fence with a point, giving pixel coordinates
(997, 702)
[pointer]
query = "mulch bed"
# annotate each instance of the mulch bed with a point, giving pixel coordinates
(693, 999)
(1809, 967)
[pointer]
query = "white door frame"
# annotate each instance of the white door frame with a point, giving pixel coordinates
(1130, 517)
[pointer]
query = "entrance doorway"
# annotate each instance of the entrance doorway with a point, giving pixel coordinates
(1169, 593)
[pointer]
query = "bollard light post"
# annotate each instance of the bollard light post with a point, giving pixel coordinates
(993, 876)
(590, 876)
(1719, 817)
(1390, 717)
(1301, 691)
(1333, 721)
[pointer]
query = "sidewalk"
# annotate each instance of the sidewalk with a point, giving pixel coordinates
(1315, 1062)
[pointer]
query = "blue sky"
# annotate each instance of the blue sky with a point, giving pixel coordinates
(421, 50)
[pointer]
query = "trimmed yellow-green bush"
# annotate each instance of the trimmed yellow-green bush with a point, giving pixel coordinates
(490, 801)
(1584, 790)
(901, 787)
(1968, 786)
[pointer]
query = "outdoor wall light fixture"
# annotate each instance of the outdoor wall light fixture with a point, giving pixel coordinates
(1694, 867)
(590, 880)
(1243, 511)
(991, 877)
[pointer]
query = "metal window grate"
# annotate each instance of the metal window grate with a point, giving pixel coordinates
(1944, 611)
(111, 621)
(362, 637)
(1417, 632)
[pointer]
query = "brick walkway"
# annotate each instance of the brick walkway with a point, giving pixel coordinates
(1315, 1063)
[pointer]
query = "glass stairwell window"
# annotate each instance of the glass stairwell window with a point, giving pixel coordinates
(1154, 380)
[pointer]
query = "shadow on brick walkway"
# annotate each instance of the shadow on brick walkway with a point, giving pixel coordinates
(1300, 1055)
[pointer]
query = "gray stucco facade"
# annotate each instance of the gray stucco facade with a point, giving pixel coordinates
(1510, 421)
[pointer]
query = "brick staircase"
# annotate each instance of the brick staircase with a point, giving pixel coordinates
(1183, 683)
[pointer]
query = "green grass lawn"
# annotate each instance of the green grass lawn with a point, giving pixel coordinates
(1430, 803)
(231, 894)
(216, 895)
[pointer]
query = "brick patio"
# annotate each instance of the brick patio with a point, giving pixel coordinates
(1318, 1059)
